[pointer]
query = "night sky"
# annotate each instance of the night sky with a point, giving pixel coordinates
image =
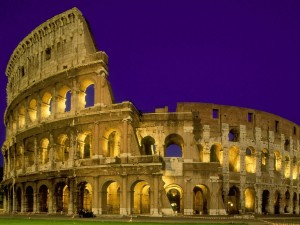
(240, 53)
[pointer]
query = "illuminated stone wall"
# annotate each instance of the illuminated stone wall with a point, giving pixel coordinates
(70, 147)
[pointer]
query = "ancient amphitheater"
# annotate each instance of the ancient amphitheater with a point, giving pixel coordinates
(70, 147)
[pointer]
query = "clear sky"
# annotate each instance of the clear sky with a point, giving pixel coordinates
(235, 52)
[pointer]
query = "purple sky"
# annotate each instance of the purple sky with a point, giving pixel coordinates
(241, 53)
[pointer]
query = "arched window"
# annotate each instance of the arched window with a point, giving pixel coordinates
(90, 96)
(32, 110)
(84, 145)
(264, 160)
(64, 100)
(173, 146)
(148, 147)
(46, 106)
(44, 153)
(233, 135)
(277, 159)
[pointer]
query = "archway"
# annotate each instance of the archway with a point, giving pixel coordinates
(295, 203)
(233, 200)
(84, 145)
(250, 160)
(234, 159)
(201, 195)
(287, 202)
(264, 160)
(174, 146)
(62, 197)
(277, 202)
(140, 197)
(215, 153)
(174, 194)
(111, 198)
(249, 200)
(84, 198)
(277, 161)
(265, 202)
(43, 198)
(148, 145)
(19, 199)
(29, 199)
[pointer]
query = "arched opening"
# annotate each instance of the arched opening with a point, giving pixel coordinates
(174, 146)
(295, 203)
(287, 202)
(43, 198)
(287, 167)
(62, 197)
(174, 194)
(29, 154)
(90, 96)
(84, 145)
(32, 110)
(21, 117)
(233, 135)
(140, 197)
(29, 199)
(44, 153)
(19, 199)
(19, 154)
(233, 200)
(215, 153)
(250, 160)
(111, 198)
(64, 100)
(277, 161)
(265, 202)
(295, 168)
(201, 195)
(84, 200)
(111, 143)
(148, 146)
(264, 160)
(234, 159)
(46, 105)
(62, 151)
(277, 202)
(249, 200)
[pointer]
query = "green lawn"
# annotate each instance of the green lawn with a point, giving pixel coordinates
(35, 221)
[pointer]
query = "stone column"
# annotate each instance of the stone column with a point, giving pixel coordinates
(188, 197)
(95, 207)
(124, 209)
(154, 210)
(35, 198)
(51, 196)
(51, 150)
(271, 208)
(258, 202)
(36, 155)
(124, 148)
(96, 142)
(187, 152)
(71, 198)
(72, 150)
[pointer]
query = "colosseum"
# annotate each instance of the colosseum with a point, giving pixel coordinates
(70, 147)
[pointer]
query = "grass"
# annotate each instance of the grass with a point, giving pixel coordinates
(37, 221)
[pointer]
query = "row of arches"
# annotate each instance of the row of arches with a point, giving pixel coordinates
(60, 100)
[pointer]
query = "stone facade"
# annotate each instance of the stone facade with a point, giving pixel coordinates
(70, 147)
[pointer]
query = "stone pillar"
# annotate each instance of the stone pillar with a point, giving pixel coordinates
(124, 148)
(35, 199)
(14, 199)
(258, 162)
(36, 154)
(27, 120)
(51, 150)
(72, 150)
(188, 197)
(51, 196)
(187, 153)
(124, 209)
(154, 205)
(242, 193)
(258, 200)
(271, 208)
(71, 198)
(96, 191)
(96, 142)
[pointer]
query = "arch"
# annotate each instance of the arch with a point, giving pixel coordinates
(174, 194)
(84, 145)
(287, 167)
(44, 152)
(215, 153)
(29, 199)
(174, 146)
(46, 105)
(277, 202)
(233, 200)
(84, 198)
(87, 95)
(295, 201)
(111, 143)
(148, 145)
(233, 135)
(19, 199)
(29, 154)
(62, 197)
(277, 161)
(111, 198)
(43, 198)
(250, 160)
(234, 159)
(21, 116)
(201, 199)
(264, 160)
(249, 200)
(287, 200)
(64, 99)
(32, 110)
(295, 168)
(140, 198)
(62, 151)
(265, 202)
